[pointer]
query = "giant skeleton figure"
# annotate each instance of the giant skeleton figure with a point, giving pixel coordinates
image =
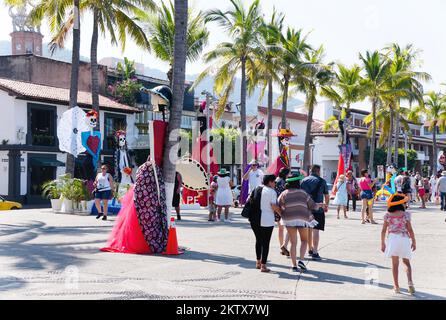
(91, 140)
(123, 160)
(345, 147)
(124, 164)
(283, 160)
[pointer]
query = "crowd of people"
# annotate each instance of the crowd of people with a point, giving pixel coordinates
(298, 204)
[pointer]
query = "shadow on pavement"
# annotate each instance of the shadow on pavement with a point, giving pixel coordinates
(351, 263)
(319, 276)
(39, 256)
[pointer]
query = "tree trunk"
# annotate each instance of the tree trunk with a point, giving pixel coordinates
(397, 137)
(434, 152)
(389, 139)
(307, 163)
(69, 167)
(373, 139)
(285, 101)
(94, 75)
(169, 75)
(176, 108)
(270, 119)
(243, 117)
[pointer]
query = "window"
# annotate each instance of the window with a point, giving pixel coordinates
(112, 123)
(429, 132)
(186, 122)
(41, 125)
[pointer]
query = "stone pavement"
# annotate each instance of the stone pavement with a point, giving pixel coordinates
(54, 256)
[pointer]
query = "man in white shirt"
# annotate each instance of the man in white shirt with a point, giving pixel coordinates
(254, 176)
(399, 182)
(441, 190)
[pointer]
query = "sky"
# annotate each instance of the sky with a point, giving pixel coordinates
(344, 27)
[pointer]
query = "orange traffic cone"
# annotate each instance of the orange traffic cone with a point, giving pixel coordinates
(172, 242)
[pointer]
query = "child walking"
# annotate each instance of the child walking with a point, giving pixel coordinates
(341, 198)
(400, 238)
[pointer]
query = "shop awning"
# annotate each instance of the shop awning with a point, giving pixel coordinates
(46, 162)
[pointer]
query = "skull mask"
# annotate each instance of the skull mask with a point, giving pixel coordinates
(122, 141)
(92, 119)
(285, 142)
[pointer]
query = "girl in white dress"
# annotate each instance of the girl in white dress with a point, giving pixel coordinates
(224, 198)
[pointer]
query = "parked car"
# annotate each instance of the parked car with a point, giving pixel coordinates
(9, 205)
(236, 191)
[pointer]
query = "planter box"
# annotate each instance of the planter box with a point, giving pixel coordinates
(90, 205)
(56, 204)
(67, 206)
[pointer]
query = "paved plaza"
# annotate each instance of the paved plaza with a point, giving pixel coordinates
(56, 256)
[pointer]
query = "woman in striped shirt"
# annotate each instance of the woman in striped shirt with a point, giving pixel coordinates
(297, 207)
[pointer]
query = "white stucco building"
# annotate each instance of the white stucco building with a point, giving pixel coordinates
(29, 152)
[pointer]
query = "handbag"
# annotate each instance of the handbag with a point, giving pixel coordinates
(246, 212)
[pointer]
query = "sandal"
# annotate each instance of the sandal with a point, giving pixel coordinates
(411, 289)
(264, 269)
(284, 251)
(396, 290)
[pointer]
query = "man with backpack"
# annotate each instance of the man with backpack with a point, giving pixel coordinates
(317, 188)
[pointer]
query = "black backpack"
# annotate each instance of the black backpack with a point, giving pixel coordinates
(251, 209)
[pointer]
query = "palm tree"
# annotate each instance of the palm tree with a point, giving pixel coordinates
(376, 69)
(434, 112)
(291, 62)
(56, 12)
(344, 90)
(346, 87)
(161, 30)
(404, 83)
(265, 69)
(176, 107)
(69, 168)
(114, 17)
(309, 80)
(243, 28)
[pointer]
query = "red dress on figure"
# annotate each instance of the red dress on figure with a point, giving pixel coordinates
(127, 235)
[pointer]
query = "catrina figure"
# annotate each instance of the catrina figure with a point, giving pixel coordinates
(91, 140)
(283, 160)
(124, 165)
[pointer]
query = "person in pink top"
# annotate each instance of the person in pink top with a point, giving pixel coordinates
(366, 184)
(400, 238)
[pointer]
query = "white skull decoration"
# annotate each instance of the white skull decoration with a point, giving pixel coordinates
(92, 119)
(121, 138)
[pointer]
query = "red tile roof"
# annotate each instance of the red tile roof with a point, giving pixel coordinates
(289, 114)
(32, 91)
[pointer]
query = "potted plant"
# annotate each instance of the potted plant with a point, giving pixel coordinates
(68, 193)
(52, 190)
(79, 195)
